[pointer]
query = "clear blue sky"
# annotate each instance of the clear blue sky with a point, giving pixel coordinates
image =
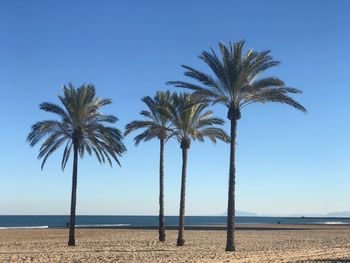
(287, 162)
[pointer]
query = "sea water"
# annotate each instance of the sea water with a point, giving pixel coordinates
(53, 221)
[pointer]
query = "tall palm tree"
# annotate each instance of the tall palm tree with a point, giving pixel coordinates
(235, 83)
(191, 122)
(82, 127)
(156, 125)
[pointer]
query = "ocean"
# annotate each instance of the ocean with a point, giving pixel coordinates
(42, 221)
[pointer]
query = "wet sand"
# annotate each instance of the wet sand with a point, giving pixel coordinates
(268, 243)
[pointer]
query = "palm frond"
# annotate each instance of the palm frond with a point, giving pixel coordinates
(192, 121)
(278, 95)
(234, 81)
(54, 108)
(156, 123)
(66, 154)
(81, 124)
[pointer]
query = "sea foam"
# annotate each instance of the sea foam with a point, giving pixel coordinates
(24, 227)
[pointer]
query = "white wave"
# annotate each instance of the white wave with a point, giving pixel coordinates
(24, 227)
(103, 225)
(334, 223)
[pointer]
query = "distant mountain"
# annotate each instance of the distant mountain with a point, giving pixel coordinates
(339, 214)
(242, 213)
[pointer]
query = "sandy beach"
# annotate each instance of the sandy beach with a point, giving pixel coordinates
(263, 244)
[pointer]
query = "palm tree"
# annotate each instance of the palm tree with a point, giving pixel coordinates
(235, 84)
(81, 127)
(191, 122)
(156, 125)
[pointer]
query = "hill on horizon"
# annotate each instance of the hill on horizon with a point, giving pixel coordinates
(241, 213)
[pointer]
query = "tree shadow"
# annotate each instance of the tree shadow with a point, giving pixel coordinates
(335, 260)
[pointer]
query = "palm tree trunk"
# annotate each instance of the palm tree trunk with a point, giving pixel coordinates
(230, 243)
(71, 240)
(161, 193)
(180, 239)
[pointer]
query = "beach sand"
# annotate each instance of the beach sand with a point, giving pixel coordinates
(288, 244)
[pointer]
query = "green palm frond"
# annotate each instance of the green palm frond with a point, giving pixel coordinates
(192, 121)
(80, 123)
(156, 123)
(235, 80)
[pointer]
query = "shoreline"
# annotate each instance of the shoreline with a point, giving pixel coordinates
(239, 227)
(255, 227)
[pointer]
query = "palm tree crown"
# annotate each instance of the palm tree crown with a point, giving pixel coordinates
(156, 122)
(192, 121)
(81, 124)
(235, 83)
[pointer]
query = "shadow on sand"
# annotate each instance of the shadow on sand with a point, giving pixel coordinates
(338, 260)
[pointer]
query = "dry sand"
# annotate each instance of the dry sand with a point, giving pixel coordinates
(313, 244)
